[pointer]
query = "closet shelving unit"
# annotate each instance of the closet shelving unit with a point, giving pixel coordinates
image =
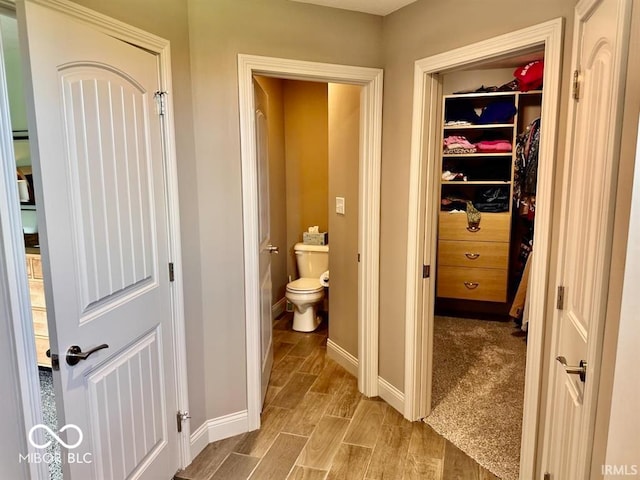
(473, 263)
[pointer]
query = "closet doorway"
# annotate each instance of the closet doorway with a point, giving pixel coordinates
(461, 210)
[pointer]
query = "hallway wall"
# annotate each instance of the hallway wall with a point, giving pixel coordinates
(344, 157)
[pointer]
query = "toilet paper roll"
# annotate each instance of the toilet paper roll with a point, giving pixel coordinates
(23, 191)
(324, 279)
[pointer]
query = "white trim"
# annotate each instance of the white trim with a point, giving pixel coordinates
(217, 429)
(19, 293)
(391, 394)
(369, 206)
(386, 391)
(278, 308)
(423, 212)
(342, 357)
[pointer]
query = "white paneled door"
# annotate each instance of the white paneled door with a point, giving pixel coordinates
(99, 160)
(602, 28)
(264, 235)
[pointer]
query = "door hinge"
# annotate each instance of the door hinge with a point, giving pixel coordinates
(181, 416)
(426, 271)
(171, 274)
(358, 258)
(161, 102)
(576, 84)
(560, 298)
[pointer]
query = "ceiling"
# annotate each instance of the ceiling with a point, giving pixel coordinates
(376, 7)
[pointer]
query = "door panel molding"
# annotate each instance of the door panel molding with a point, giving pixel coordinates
(369, 206)
(423, 217)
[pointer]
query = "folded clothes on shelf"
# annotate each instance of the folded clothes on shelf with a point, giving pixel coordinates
(453, 176)
(498, 146)
(458, 144)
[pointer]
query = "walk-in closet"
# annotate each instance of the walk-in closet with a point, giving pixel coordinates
(490, 130)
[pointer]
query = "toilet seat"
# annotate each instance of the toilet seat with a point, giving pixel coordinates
(305, 285)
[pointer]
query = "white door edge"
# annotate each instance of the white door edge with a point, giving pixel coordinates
(423, 214)
(13, 244)
(582, 11)
(369, 207)
(13, 275)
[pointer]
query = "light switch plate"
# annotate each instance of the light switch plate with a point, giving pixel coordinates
(340, 205)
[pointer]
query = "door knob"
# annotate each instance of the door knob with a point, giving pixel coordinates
(75, 353)
(272, 249)
(580, 370)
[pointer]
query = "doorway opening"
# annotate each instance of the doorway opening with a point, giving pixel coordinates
(430, 227)
(312, 146)
(370, 81)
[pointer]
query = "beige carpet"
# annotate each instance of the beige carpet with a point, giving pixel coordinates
(478, 390)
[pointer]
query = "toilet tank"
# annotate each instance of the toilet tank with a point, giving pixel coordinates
(312, 260)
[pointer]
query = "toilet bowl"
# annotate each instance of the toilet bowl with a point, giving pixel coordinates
(306, 293)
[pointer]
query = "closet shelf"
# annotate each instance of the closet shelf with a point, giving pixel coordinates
(484, 127)
(492, 94)
(462, 155)
(476, 182)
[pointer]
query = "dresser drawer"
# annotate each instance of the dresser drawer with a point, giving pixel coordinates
(494, 227)
(486, 284)
(457, 253)
(40, 326)
(36, 266)
(36, 289)
(42, 345)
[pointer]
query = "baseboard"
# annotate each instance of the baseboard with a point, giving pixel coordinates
(342, 357)
(278, 308)
(391, 395)
(217, 429)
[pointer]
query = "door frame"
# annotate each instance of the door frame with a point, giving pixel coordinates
(423, 216)
(368, 206)
(14, 272)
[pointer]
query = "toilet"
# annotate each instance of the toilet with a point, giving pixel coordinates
(306, 293)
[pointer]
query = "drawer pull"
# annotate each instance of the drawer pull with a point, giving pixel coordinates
(471, 256)
(473, 228)
(471, 285)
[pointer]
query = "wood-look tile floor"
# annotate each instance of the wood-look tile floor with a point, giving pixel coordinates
(317, 426)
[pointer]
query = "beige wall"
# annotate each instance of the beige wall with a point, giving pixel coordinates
(277, 183)
(412, 33)
(344, 152)
(307, 164)
(219, 30)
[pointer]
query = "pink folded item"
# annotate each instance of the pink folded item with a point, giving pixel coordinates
(494, 146)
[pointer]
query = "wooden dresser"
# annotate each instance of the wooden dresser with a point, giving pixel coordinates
(473, 264)
(38, 307)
